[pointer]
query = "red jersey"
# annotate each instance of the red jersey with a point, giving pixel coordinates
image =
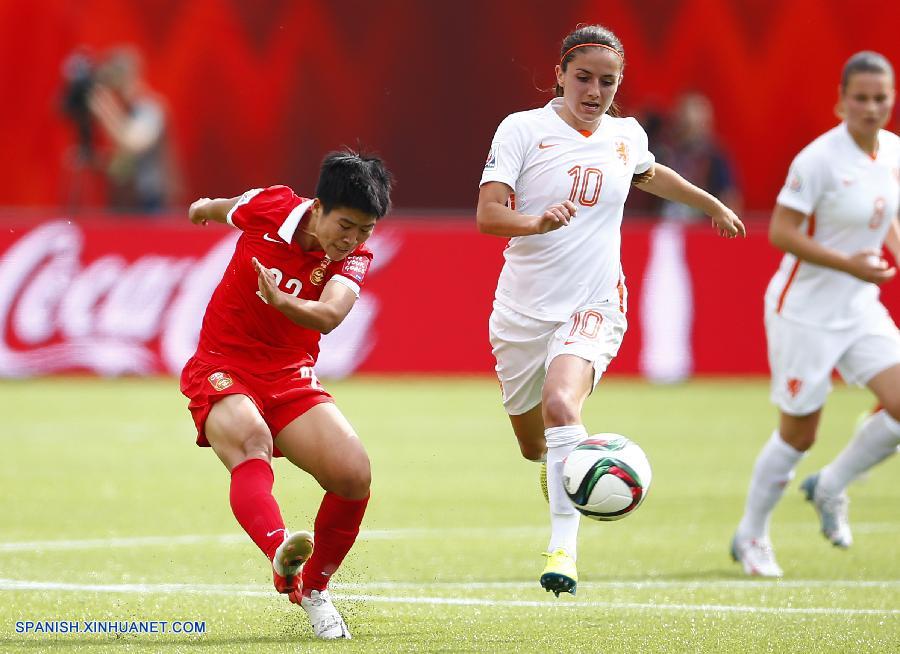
(239, 327)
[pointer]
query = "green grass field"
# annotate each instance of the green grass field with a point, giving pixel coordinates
(111, 513)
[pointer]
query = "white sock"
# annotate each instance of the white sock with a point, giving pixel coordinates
(875, 440)
(773, 470)
(564, 518)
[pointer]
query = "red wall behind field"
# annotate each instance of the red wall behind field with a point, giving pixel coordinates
(258, 91)
(119, 297)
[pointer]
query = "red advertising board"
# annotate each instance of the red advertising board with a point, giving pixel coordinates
(127, 297)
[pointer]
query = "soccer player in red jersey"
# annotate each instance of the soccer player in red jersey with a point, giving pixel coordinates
(295, 274)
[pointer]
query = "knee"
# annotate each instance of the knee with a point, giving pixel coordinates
(800, 439)
(892, 407)
(560, 407)
(257, 443)
(355, 480)
(238, 436)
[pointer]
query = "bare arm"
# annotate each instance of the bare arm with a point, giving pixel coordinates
(322, 315)
(495, 218)
(205, 209)
(786, 235)
(669, 185)
(892, 242)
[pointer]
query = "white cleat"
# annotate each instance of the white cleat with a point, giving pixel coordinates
(326, 622)
(832, 510)
(757, 557)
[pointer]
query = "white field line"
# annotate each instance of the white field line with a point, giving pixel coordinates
(239, 539)
(231, 539)
(366, 534)
(726, 584)
(22, 585)
(444, 586)
(107, 543)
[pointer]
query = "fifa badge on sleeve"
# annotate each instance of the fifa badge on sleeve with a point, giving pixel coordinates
(491, 162)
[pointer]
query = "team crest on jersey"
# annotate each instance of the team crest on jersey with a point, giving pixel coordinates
(220, 380)
(491, 162)
(622, 151)
(794, 182)
(317, 276)
(793, 386)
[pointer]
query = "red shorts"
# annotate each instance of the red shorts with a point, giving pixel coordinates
(280, 396)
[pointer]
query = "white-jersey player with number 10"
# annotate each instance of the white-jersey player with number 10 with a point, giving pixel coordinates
(834, 214)
(555, 182)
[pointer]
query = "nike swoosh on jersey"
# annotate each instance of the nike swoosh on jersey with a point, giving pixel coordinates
(543, 146)
(271, 533)
(569, 342)
(268, 238)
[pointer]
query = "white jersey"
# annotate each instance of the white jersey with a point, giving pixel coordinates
(849, 199)
(545, 161)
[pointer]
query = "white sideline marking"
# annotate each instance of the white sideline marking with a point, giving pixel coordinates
(477, 585)
(15, 584)
(230, 539)
(103, 543)
(366, 534)
(632, 585)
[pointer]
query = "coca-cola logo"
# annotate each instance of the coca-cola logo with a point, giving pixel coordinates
(112, 316)
(58, 312)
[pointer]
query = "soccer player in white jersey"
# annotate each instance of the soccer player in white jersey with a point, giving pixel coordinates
(836, 211)
(555, 181)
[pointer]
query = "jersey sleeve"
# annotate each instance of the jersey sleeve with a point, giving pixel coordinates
(805, 183)
(504, 160)
(262, 209)
(352, 272)
(643, 158)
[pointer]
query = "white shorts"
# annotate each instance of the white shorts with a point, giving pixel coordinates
(524, 347)
(802, 358)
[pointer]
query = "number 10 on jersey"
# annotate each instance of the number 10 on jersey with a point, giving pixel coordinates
(589, 184)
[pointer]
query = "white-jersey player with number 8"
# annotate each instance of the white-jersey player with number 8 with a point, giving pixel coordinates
(555, 183)
(834, 214)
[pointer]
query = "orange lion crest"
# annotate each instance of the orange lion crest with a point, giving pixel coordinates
(622, 151)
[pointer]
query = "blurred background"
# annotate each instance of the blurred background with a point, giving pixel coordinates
(117, 114)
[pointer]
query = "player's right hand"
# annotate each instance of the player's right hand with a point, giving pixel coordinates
(556, 216)
(268, 288)
(870, 266)
(195, 212)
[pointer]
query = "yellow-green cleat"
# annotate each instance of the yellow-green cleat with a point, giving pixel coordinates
(560, 575)
(543, 480)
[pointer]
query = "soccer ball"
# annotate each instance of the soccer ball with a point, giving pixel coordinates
(606, 476)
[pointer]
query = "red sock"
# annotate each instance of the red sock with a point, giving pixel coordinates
(253, 505)
(336, 529)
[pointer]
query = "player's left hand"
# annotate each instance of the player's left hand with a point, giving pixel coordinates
(265, 279)
(195, 212)
(727, 224)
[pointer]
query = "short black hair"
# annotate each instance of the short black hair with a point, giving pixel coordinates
(866, 62)
(355, 181)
